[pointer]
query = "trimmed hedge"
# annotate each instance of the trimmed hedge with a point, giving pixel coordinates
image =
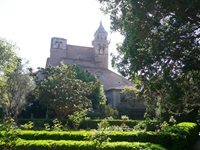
(178, 137)
(166, 139)
(132, 146)
(91, 124)
(52, 135)
(81, 145)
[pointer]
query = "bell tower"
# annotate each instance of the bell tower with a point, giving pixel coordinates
(57, 51)
(100, 44)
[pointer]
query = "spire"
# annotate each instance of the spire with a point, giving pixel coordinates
(101, 29)
(101, 23)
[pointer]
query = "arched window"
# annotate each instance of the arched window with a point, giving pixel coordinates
(55, 45)
(60, 44)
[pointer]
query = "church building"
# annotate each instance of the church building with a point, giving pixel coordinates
(93, 60)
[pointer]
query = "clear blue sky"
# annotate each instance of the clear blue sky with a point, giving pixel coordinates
(32, 24)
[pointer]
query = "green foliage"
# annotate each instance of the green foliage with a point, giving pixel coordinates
(124, 117)
(57, 125)
(108, 111)
(28, 126)
(18, 85)
(129, 95)
(92, 124)
(97, 96)
(81, 145)
(60, 89)
(187, 129)
(15, 82)
(177, 137)
(76, 118)
(9, 134)
(8, 57)
(52, 135)
(172, 120)
(131, 146)
(103, 124)
(140, 126)
(160, 49)
(147, 120)
(47, 127)
(101, 135)
(164, 125)
(53, 145)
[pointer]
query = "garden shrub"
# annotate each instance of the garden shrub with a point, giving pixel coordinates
(28, 126)
(81, 145)
(8, 134)
(76, 118)
(187, 129)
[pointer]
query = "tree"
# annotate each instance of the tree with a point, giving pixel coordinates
(8, 61)
(161, 48)
(108, 111)
(8, 57)
(59, 88)
(98, 95)
(15, 82)
(129, 95)
(17, 85)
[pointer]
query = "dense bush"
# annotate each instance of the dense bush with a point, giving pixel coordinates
(187, 129)
(80, 145)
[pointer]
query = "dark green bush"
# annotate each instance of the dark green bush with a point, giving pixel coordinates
(187, 129)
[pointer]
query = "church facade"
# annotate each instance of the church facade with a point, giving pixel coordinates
(93, 60)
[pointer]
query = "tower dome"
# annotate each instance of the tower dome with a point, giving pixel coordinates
(101, 29)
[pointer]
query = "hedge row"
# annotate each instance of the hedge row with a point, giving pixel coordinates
(91, 124)
(166, 139)
(181, 136)
(53, 135)
(80, 145)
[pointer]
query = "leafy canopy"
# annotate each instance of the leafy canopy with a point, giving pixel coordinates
(98, 95)
(8, 56)
(15, 82)
(161, 48)
(59, 88)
